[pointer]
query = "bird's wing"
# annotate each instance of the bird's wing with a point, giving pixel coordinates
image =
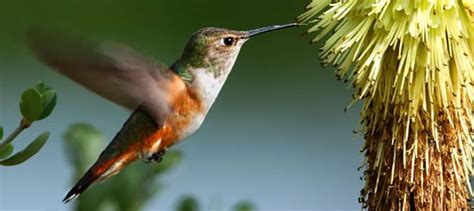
(114, 71)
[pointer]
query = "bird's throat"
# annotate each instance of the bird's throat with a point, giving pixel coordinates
(207, 85)
(207, 79)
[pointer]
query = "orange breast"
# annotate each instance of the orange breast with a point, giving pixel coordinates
(185, 105)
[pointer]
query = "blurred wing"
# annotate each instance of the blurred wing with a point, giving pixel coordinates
(114, 71)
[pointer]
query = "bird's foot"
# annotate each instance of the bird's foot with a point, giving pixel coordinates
(158, 156)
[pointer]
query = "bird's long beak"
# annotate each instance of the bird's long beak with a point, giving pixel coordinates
(255, 32)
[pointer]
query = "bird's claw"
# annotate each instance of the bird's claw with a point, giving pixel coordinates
(158, 156)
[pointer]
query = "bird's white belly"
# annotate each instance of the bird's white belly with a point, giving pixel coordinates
(207, 87)
(193, 126)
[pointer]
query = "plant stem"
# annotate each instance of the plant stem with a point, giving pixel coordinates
(23, 125)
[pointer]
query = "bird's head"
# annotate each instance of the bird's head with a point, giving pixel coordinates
(216, 49)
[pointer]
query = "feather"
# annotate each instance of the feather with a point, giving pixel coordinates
(114, 71)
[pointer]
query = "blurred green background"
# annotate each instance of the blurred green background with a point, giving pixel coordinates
(277, 135)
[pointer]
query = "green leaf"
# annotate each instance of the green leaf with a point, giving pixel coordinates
(244, 206)
(1, 133)
(188, 203)
(83, 143)
(41, 87)
(6, 151)
(108, 205)
(31, 105)
(48, 99)
(170, 160)
(33, 148)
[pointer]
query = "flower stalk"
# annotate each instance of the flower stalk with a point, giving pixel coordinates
(410, 63)
(22, 126)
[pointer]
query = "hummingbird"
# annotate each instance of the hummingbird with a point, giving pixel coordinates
(169, 104)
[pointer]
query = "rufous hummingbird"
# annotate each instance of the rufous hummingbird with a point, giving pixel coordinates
(169, 103)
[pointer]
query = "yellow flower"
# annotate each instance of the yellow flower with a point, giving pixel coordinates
(411, 63)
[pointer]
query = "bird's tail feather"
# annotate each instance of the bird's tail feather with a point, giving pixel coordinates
(99, 171)
(118, 154)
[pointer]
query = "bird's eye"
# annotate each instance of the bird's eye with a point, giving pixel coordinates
(228, 41)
